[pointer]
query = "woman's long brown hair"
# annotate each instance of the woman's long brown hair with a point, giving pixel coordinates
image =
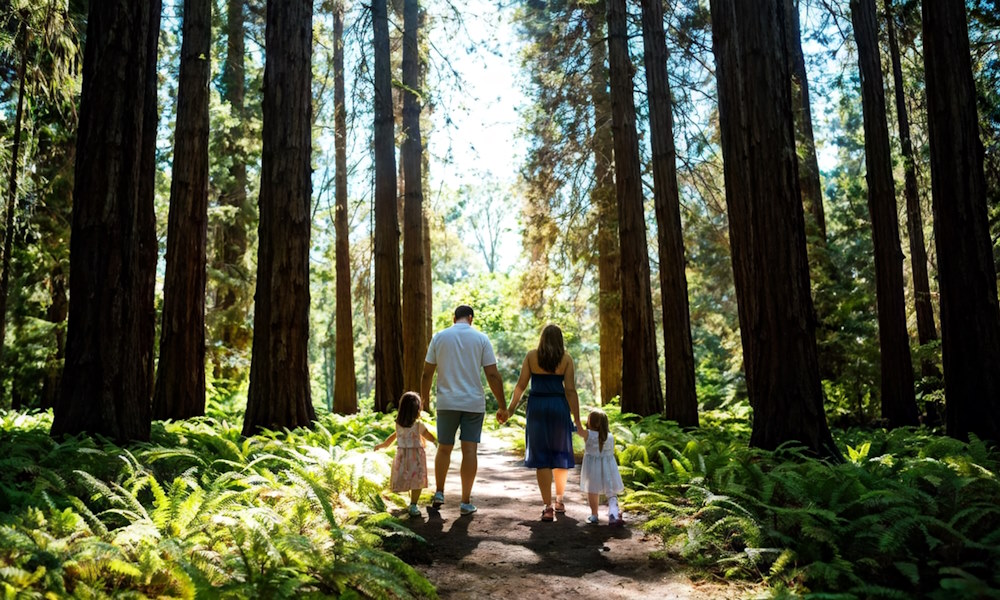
(550, 348)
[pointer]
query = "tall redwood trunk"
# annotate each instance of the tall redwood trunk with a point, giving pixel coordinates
(345, 392)
(641, 393)
(232, 299)
(926, 330)
(415, 301)
(681, 401)
(603, 198)
(766, 226)
(970, 314)
(809, 183)
(180, 380)
(107, 378)
(899, 406)
(8, 231)
(388, 320)
(279, 395)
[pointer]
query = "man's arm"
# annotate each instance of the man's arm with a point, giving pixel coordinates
(496, 385)
(425, 383)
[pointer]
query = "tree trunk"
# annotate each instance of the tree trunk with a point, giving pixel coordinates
(8, 235)
(970, 315)
(345, 393)
(279, 395)
(899, 407)
(56, 314)
(414, 303)
(926, 330)
(388, 321)
(809, 183)
(231, 298)
(681, 401)
(180, 380)
(641, 393)
(107, 379)
(603, 198)
(766, 226)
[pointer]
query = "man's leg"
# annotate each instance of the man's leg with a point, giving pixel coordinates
(441, 464)
(470, 464)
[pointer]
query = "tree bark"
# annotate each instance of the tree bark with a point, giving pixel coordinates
(414, 303)
(180, 380)
(766, 226)
(602, 197)
(8, 232)
(388, 321)
(681, 400)
(970, 315)
(926, 329)
(279, 395)
(809, 183)
(232, 300)
(899, 406)
(107, 379)
(641, 393)
(345, 393)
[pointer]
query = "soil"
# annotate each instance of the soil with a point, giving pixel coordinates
(504, 550)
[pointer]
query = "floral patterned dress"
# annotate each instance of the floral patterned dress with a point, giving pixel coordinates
(409, 468)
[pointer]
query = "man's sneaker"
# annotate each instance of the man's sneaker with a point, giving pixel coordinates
(467, 508)
(414, 511)
(437, 500)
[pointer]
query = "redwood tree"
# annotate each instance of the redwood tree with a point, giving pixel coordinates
(279, 395)
(388, 321)
(899, 406)
(107, 377)
(809, 183)
(603, 198)
(641, 393)
(926, 330)
(414, 303)
(345, 393)
(681, 402)
(766, 226)
(970, 315)
(180, 380)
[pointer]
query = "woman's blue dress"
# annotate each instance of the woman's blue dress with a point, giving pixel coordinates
(549, 430)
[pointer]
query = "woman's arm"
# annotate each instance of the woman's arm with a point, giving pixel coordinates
(521, 385)
(569, 383)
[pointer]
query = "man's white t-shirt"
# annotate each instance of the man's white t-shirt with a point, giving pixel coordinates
(460, 353)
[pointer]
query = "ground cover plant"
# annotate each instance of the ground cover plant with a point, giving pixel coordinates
(199, 511)
(907, 514)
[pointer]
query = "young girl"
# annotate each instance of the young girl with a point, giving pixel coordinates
(599, 473)
(409, 468)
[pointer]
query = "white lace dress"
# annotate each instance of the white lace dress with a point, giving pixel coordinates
(599, 472)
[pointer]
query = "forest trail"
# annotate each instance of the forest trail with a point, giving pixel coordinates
(505, 551)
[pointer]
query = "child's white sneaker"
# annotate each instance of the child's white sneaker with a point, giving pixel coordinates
(593, 520)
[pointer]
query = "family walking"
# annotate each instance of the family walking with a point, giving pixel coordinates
(457, 354)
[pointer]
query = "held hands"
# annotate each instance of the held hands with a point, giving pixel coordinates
(502, 416)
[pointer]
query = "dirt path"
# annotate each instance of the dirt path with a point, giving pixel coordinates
(505, 551)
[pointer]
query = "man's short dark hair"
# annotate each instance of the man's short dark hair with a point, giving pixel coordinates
(464, 311)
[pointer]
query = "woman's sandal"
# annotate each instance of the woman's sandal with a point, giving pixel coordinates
(548, 514)
(559, 507)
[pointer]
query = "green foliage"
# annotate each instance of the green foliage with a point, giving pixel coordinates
(908, 515)
(200, 511)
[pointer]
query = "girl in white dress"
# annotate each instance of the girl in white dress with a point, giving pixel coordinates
(599, 473)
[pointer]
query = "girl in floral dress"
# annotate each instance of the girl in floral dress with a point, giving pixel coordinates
(409, 468)
(599, 472)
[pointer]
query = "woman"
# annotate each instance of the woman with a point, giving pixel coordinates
(552, 401)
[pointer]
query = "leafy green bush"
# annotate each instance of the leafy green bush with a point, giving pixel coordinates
(908, 515)
(200, 511)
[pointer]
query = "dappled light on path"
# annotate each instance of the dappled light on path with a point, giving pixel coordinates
(505, 550)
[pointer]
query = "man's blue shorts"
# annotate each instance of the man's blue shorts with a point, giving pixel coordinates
(448, 422)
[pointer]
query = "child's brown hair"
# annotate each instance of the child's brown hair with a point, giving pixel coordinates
(597, 421)
(409, 409)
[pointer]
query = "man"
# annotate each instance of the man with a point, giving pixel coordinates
(457, 353)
